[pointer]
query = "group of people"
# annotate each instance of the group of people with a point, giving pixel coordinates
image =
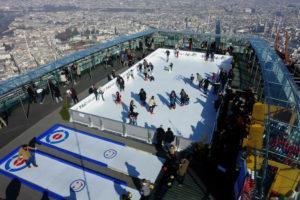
(126, 58)
(174, 171)
(96, 92)
(184, 98)
(70, 75)
(111, 75)
(203, 83)
(147, 70)
(37, 95)
(164, 139)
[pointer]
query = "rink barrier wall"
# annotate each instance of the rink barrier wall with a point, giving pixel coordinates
(143, 134)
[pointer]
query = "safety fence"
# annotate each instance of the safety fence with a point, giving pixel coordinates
(123, 129)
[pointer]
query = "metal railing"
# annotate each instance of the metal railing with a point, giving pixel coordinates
(146, 135)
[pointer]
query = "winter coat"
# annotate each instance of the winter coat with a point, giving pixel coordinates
(183, 166)
(172, 99)
(199, 78)
(169, 137)
(145, 189)
(152, 102)
(142, 96)
(160, 133)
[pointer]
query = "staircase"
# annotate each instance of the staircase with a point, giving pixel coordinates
(192, 189)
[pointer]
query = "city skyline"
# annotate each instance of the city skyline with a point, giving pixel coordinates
(37, 32)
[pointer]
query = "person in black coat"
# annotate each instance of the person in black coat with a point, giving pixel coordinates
(121, 83)
(93, 90)
(57, 94)
(143, 96)
(32, 94)
(169, 138)
(205, 85)
(160, 136)
(74, 95)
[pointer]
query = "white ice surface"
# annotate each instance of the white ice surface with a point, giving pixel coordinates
(57, 176)
(194, 121)
(133, 162)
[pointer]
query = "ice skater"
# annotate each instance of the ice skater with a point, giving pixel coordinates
(132, 106)
(92, 90)
(184, 98)
(168, 55)
(131, 74)
(192, 78)
(121, 83)
(118, 99)
(101, 92)
(145, 74)
(152, 105)
(173, 98)
(200, 80)
(206, 83)
(150, 75)
(133, 118)
(132, 115)
(143, 97)
(151, 66)
(171, 66)
(140, 67)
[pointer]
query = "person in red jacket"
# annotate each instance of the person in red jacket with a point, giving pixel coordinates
(118, 98)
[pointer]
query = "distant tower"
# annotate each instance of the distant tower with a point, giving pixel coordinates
(218, 33)
(116, 32)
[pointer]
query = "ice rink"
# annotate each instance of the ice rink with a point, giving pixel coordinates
(193, 121)
(64, 180)
(103, 152)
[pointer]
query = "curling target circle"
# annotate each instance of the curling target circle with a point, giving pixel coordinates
(57, 136)
(15, 164)
(110, 153)
(77, 185)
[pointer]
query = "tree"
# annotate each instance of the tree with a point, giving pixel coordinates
(64, 112)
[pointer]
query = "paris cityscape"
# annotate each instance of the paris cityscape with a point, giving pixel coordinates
(150, 99)
(36, 32)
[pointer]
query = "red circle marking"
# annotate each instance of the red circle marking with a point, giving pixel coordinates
(57, 136)
(18, 162)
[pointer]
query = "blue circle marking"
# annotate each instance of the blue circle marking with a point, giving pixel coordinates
(57, 136)
(77, 185)
(110, 153)
(14, 165)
